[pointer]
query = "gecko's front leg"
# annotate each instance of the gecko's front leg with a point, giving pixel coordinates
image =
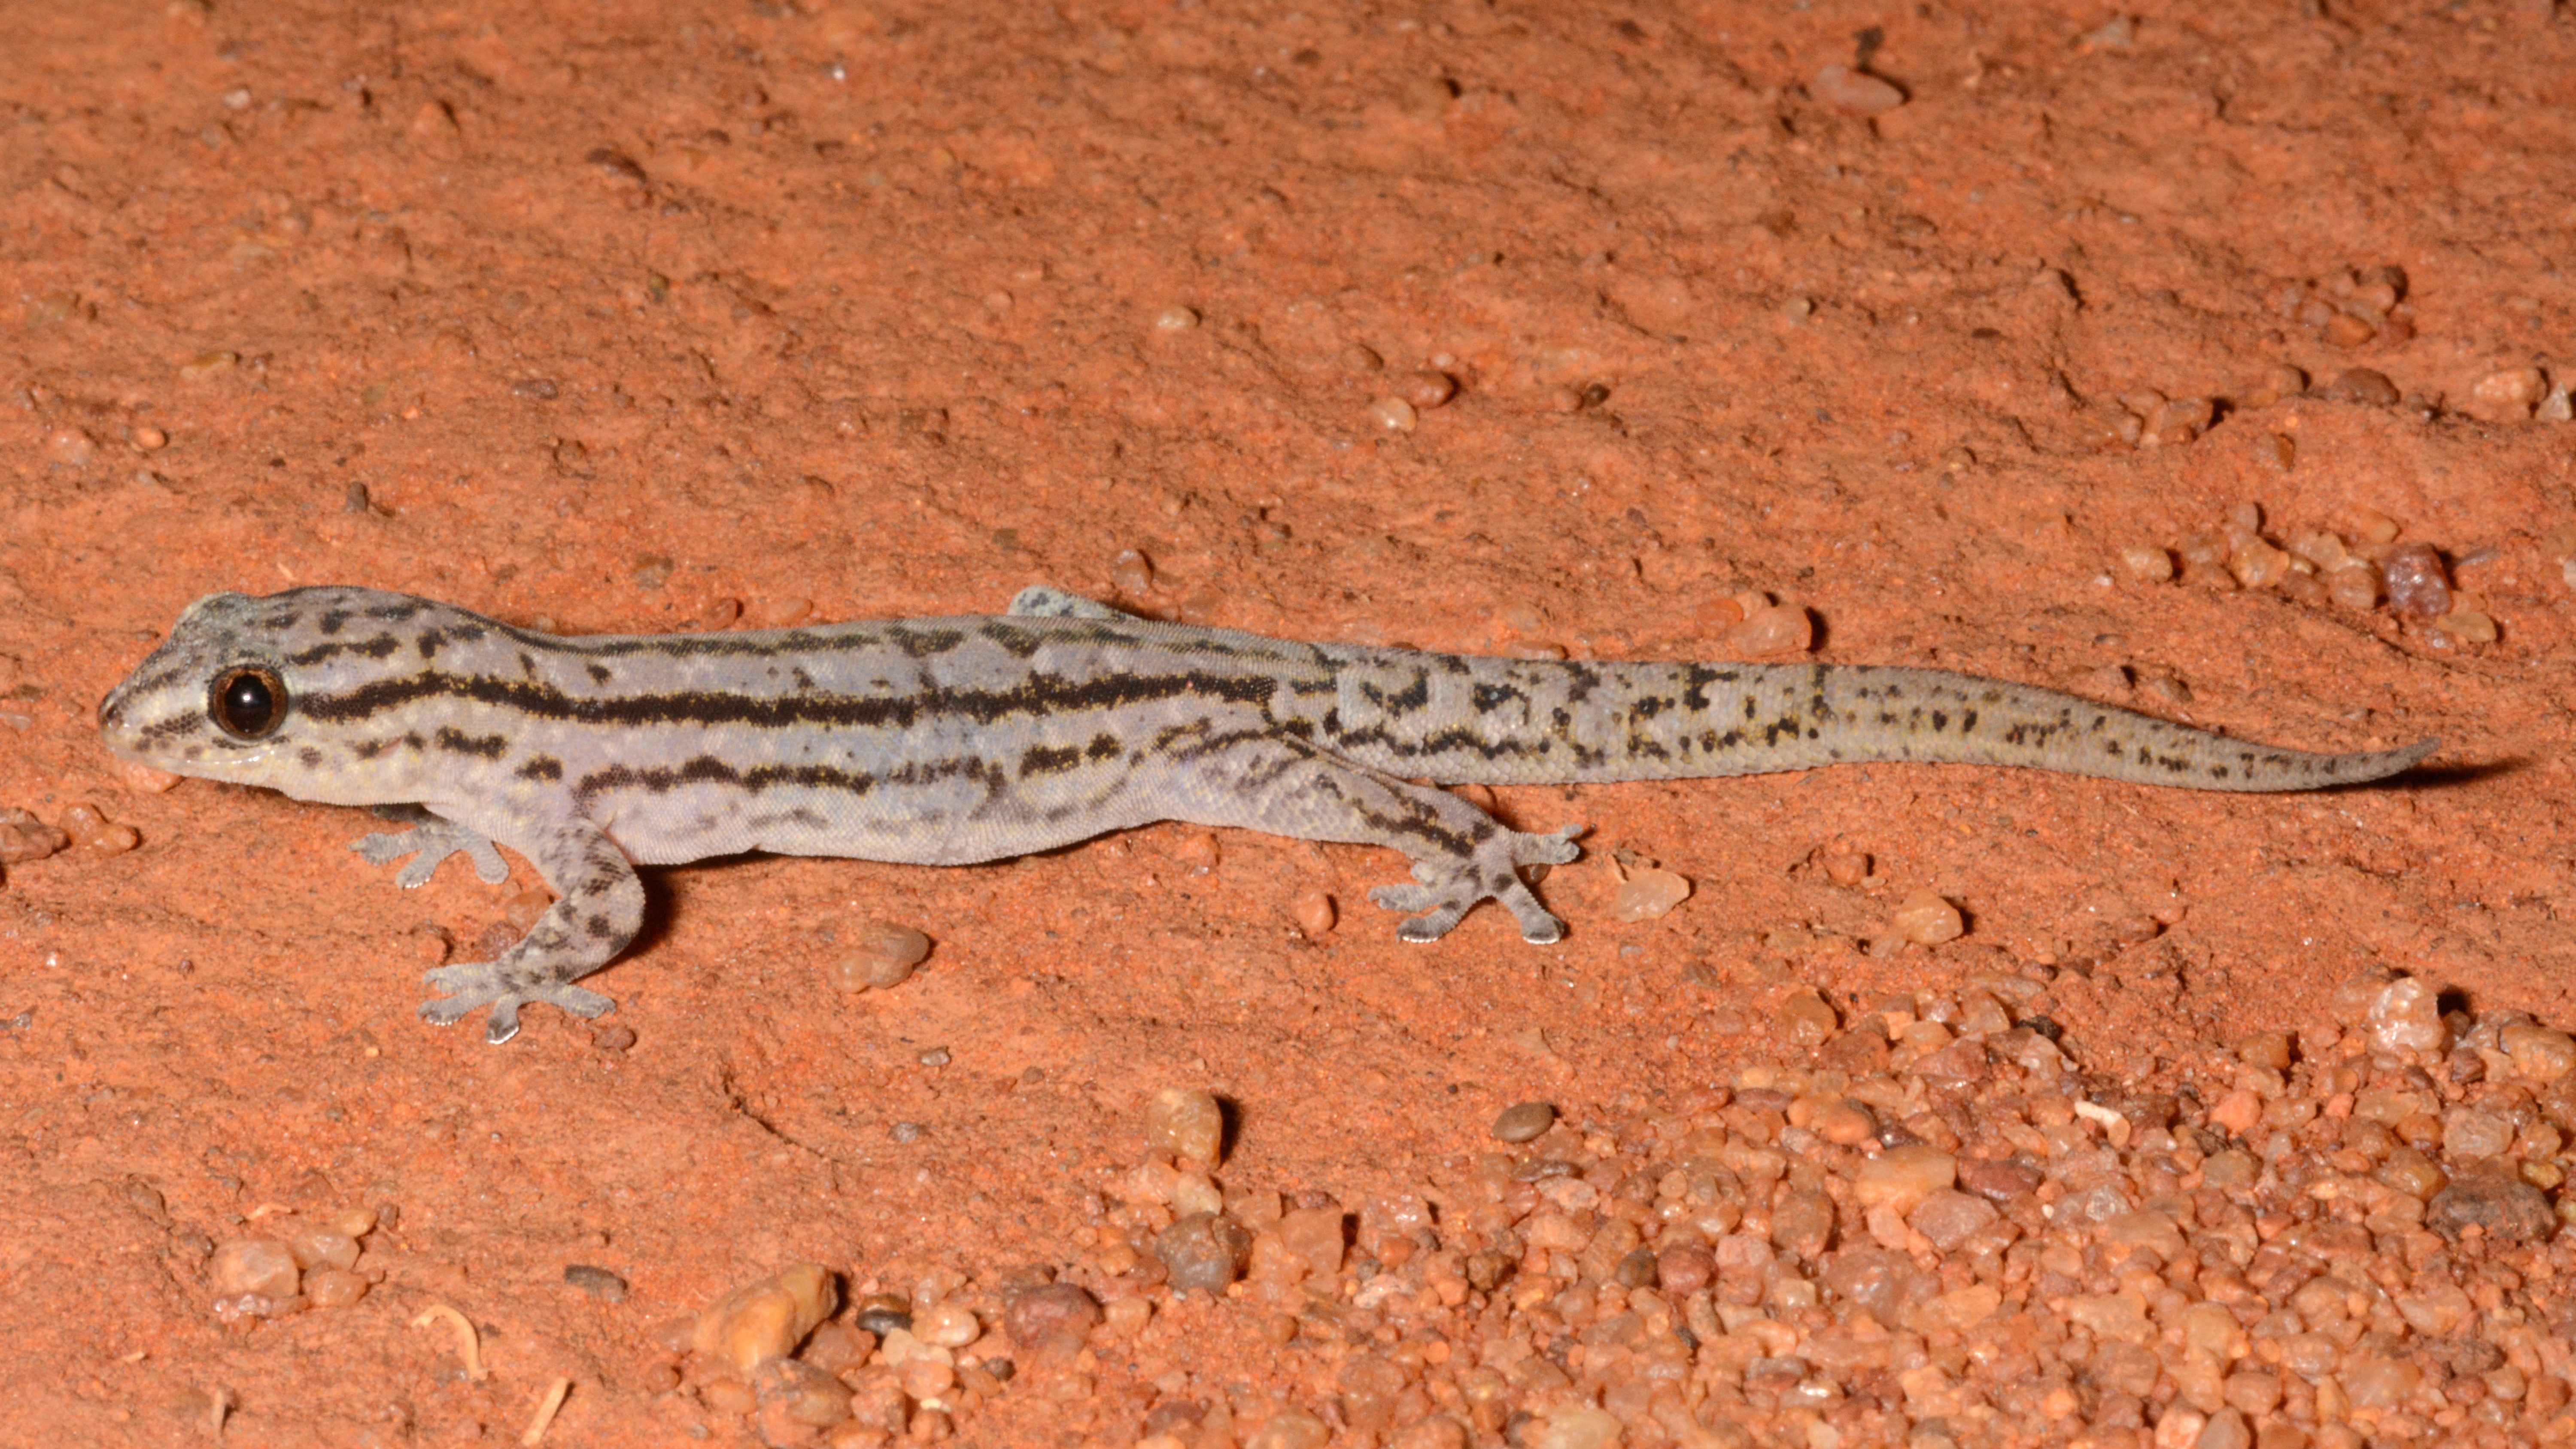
(600, 909)
(432, 840)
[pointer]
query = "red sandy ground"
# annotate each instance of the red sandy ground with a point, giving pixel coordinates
(619, 313)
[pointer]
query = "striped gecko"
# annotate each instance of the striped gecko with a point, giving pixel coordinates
(948, 741)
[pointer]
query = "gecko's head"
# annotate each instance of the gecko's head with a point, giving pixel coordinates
(238, 690)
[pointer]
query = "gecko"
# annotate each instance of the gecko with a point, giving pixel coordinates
(947, 741)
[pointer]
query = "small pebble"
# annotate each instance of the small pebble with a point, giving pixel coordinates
(1524, 1122)
(2508, 394)
(2407, 1016)
(2354, 585)
(839, 1347)
(1902, 1177)
(773, 611)
(1176, 319)
(879, 956)
(949, 1325)
(1647, 894)
(1053, 1318)
(2361, 385)
(2469, 626)
(207, 364)
(2301, 586)
(1773, 629)
(2323, 549)
(1427, 96)
(1126, 1317)
(2269, 1050)
(1295, 1429)
(334, 1287)
(1844, 1123)
(2507, 1209)
(258, 1266)
(2257, 564)
(597, 1282)
(1131, 574)
(1847, 865)
(1846, 89)
(91, 833)
(526, 909)
(1186, 1122)
(1804, 1019)
(313, 1245)
(145, 780)
(1203, 1250)
(1196, 852)
(2117, 33)
(1393, 414)
(1949, 1217)
(1926, 919)
(883, 1313)
(23, 837)
(766, 1318)
(792, 1394)
(2468, 1135)
(1426, 389)
(1313, 913)
(2147, 564)
(2419, 586)
(2538, 1053)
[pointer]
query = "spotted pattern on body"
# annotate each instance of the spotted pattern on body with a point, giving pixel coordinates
(948, 741)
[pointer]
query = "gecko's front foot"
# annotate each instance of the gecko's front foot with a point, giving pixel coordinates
(433, 840)
(472, 984)
(1451, 888)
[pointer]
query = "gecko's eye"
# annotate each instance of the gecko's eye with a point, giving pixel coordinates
(248, 702)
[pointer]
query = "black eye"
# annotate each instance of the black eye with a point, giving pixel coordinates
(248, 702)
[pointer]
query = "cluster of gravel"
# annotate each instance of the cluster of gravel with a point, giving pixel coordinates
(1931, 1229)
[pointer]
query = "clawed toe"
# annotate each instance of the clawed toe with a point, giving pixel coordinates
(1450, 888)
(1557, 848)
(476, 984)
(430, 845)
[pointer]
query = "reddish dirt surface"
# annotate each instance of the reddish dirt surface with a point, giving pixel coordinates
(624, 316)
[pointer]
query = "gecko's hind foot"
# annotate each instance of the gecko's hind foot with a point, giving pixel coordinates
(475, 984)
(432, 841)
(1451, 888)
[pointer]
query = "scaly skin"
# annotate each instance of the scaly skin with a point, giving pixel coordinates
(946, 741)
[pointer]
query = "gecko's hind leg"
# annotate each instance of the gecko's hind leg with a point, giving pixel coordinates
(470, 986)
(432, 840)
(1450, 888)
(1232, 773)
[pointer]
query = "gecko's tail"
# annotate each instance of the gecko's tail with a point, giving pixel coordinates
(1490, 721)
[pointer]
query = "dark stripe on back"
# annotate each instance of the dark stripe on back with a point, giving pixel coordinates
(1043, 694)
